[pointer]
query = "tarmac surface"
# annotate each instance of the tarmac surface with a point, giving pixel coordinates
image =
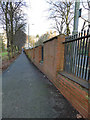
(27, 93)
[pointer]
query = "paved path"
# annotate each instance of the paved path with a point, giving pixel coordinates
(28, 94)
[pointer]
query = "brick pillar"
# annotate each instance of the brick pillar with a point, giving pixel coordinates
(40, 53)
(60, 53)
(33, 53)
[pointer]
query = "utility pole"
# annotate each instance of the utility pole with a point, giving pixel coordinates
(76, 17)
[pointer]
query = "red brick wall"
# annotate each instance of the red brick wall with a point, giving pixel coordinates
(52, 64)
(75, 94)
(38, 54)
(31, 52)
(27, 52)
(49, 58)
(54, 57)
(60, 53)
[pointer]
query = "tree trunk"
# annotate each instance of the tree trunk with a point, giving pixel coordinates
(11, 20)
(7, 31)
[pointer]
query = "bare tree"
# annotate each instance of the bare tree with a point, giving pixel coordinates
(62, 14)
(59, 25)
(42, 38)
(86, 6)
(12, 18)
(19, 39)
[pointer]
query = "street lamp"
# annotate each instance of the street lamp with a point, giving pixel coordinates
(28, 33)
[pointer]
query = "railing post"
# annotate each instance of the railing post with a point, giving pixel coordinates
(89, 61)
(89, 83)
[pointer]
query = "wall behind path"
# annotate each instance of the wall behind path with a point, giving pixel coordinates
(52, 64)
(53, 56)
(49, 58)
(37, 55)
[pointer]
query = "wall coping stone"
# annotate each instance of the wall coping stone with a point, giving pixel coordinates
(80, 81)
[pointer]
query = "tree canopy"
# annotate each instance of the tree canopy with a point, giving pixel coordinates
(62, 13)
(13, 19)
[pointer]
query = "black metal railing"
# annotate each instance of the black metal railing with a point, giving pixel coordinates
(77, 55)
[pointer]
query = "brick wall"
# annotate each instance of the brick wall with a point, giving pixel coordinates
(53, 64)
(75, 94)
(49, 58)
(37, 55)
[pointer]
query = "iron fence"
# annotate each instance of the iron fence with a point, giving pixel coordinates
(77, 55)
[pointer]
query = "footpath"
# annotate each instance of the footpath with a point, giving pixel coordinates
(27, 93)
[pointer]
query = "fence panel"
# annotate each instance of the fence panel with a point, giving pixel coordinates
(77, 55)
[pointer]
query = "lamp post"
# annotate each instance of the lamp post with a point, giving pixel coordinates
(28, 33)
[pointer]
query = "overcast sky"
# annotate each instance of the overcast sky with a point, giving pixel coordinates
(37, 17)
